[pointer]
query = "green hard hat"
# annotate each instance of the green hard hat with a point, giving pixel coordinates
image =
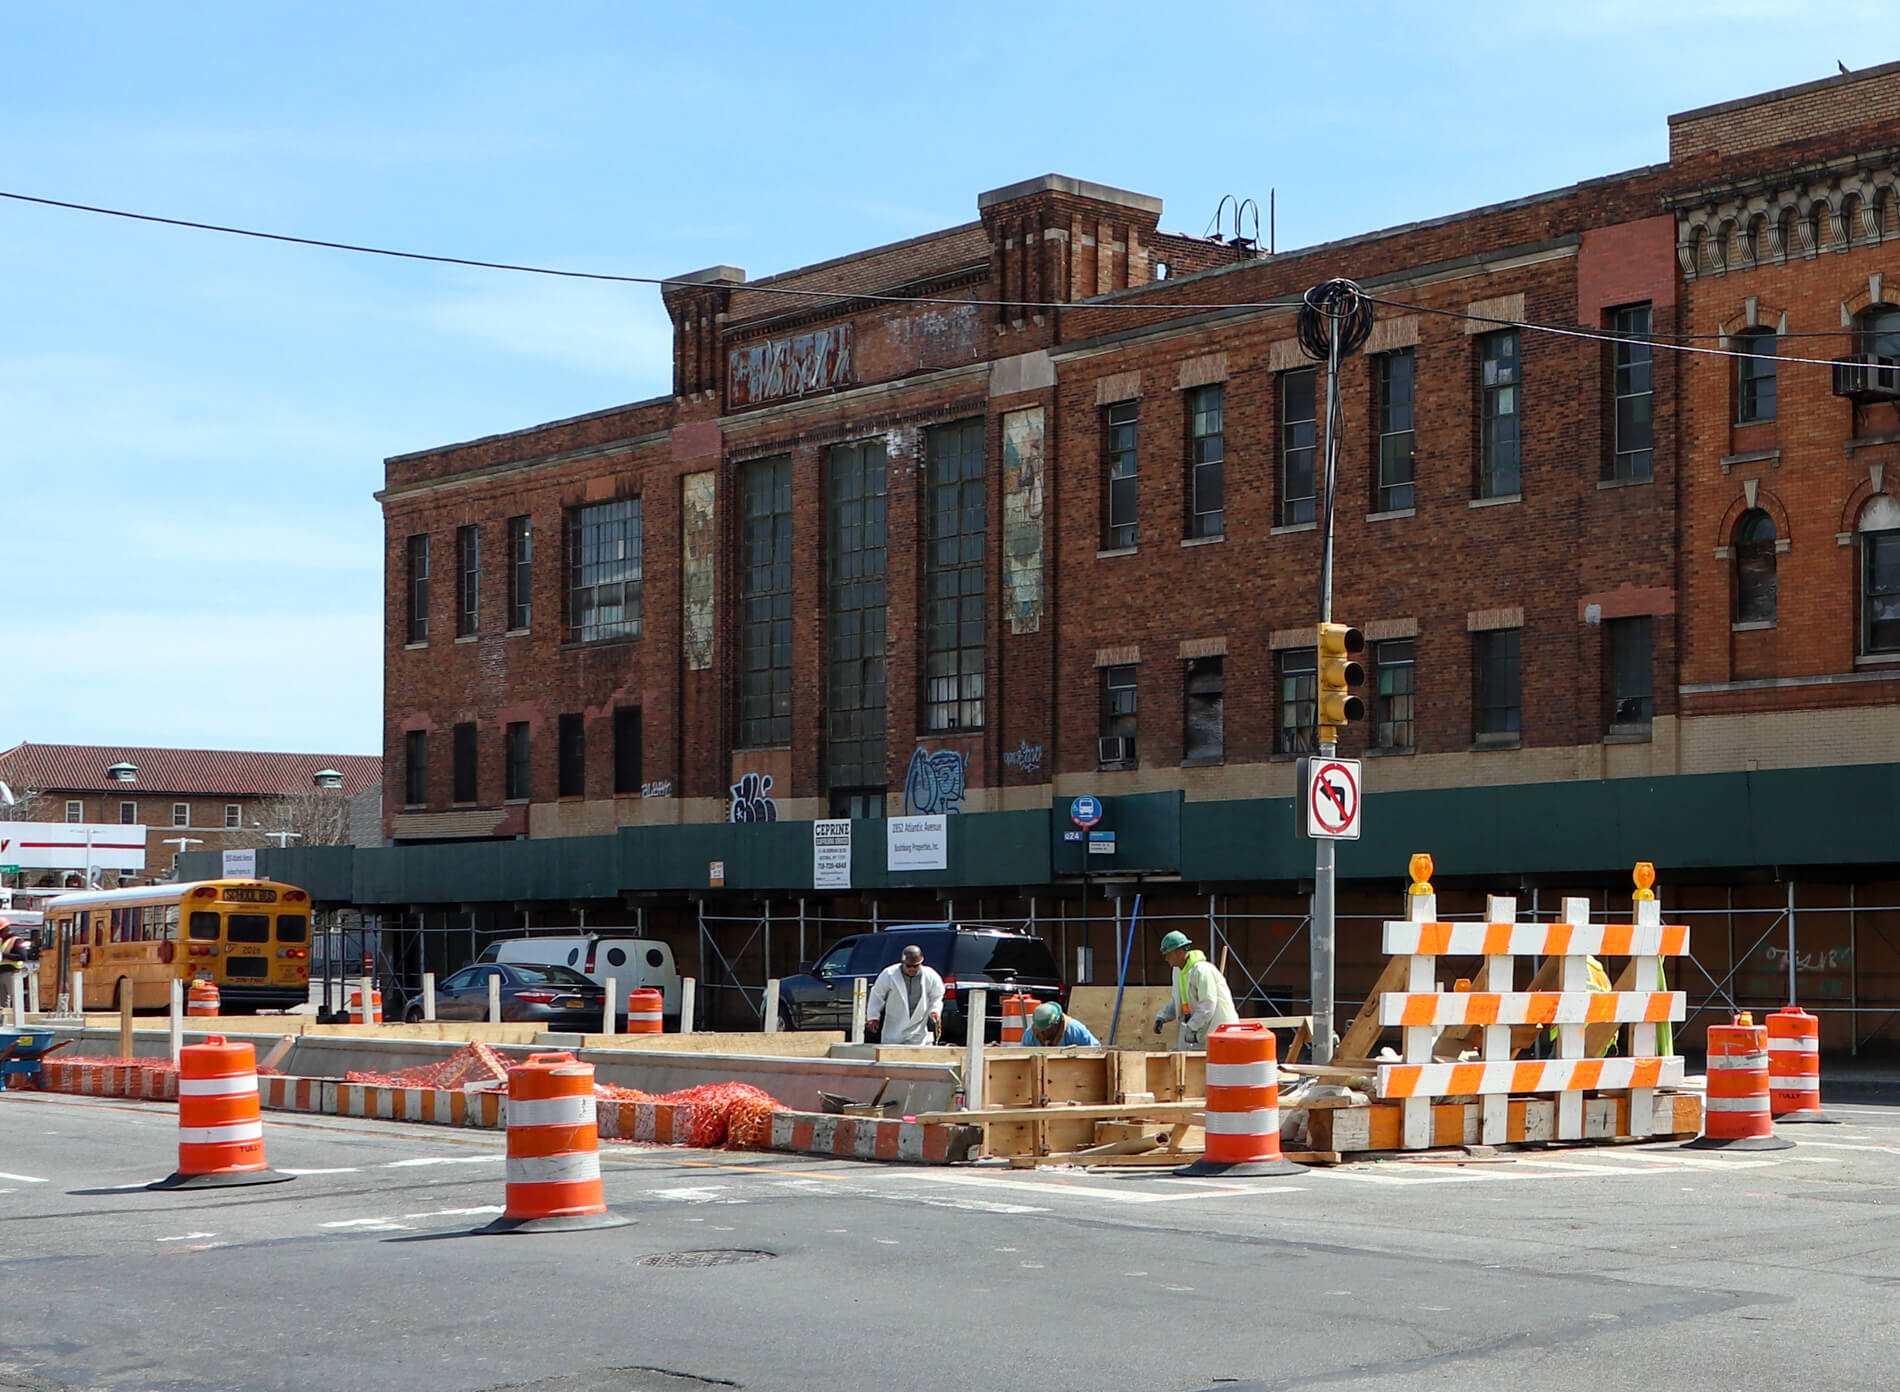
(1174, 940)
(1048, 1015)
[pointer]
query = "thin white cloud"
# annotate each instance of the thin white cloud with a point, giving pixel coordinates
(617, 332)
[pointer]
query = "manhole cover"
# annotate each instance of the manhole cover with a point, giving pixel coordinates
(715, 1258)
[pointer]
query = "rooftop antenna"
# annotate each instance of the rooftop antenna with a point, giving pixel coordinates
(1245, 214)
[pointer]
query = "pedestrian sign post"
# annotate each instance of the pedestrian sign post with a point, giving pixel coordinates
(1330, 798)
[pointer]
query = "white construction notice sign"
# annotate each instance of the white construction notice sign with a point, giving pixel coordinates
(831, 854)
(917, 843)
(240, 865)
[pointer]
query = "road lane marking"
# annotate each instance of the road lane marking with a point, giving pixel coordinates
(22, 1178)
(1085, 1191)
(1819, 1145)
(442, 1160)
(185, 1237)
(341, 1169)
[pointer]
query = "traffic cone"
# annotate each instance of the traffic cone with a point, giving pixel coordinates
(1735, 1115)
(202, 999)
(1243, 1105)
(553, 1149)
(220, 1125)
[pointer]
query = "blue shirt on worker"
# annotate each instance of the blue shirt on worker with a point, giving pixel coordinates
(1073, 1032)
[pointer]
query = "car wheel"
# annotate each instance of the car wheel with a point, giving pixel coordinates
(787, 1018)
(413, 1015)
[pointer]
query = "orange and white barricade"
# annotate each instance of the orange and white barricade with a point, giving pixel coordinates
(1794, 1067)
(375, 1016)
(202, 999)
(553, 1149)
(646, 1011)
(220, 1124)
(1017, 1009)
(1243, 1104)
(1736, 1115)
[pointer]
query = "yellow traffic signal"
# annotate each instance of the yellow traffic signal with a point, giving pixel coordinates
(1338, 674)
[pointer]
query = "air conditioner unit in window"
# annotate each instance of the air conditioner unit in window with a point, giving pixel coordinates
(1866, 377)
(1113, 750)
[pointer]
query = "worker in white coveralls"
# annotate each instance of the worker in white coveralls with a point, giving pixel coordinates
(906, 1004)
(1201, 1000)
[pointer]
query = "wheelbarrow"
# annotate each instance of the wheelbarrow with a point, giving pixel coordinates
(21, 1052)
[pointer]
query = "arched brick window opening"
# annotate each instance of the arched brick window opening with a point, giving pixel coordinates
(1850, 219)
(1755, 568)
(1879, 535)
(1878, 328)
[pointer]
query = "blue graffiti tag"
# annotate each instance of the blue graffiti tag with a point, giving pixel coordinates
(751, 799)
(935, 782)
(1025, 756)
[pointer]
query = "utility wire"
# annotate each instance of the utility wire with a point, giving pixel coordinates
(831, 294)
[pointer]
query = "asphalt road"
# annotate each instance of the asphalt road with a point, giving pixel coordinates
(1630, 1267)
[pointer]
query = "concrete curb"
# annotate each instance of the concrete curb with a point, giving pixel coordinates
(871, 1138)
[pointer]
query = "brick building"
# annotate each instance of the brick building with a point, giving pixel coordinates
(1027, 508)
(221, 799)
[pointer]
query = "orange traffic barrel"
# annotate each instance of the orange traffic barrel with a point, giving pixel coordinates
(553, 1149)
(1736, 1115)
(375, 1005)
(1016, 1012)
(1243, 1104)
(645, 1007)
(1794, 1067)
(220, 1125)
(202, 998)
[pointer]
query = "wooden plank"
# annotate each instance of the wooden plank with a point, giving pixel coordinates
(1074, 1078)
(1094, 1006)
(1363, 1033)
(1009, 1079)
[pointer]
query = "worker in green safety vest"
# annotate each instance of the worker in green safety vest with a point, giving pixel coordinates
(1201, 1000)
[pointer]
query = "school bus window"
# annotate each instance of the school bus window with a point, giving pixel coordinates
(204, 926)
(292, 928)
(247, 928)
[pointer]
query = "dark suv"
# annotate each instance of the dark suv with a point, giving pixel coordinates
(997, 960)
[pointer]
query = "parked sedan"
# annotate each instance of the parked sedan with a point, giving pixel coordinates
(558, 997)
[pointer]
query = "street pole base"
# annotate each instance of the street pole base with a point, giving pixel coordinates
(1745, 1143)
(572, 1222)
(1808, 1118)
(1244, 1169)
(227, 1179)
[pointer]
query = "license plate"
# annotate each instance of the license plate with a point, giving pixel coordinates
(568, 1003)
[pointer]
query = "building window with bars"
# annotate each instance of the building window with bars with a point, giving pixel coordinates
(1394, 667)
(1119, 709)
(468, 580)
(1393, 491)
(1204, 736)
(856, 566)
(765, 603)
(1119, 424)
(1631, 684)
(462, 763)
(1499, 409)
(1299, 700)
(517, 762)
(570, 755)
(1497, 699)
(604, 570)
(415, 768)
(955, 522)
(1207, 461)
(1632, 387)
(1299, 441)
(1755, 376)
(520, 573)
(417, 550)
(627, 752)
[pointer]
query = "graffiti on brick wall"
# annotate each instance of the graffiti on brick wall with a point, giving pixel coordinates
(659, 788)
(1025, 756)
(697, 568)
(752, 799)
(1022, 519)
(789, 366)
(935, 782)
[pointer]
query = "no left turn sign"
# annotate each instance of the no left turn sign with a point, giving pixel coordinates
(1332, 798)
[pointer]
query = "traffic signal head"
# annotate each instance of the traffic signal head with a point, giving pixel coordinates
(1339, 672)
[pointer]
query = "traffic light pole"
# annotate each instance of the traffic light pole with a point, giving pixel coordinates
(1320, 953)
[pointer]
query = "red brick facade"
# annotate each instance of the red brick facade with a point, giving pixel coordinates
(1053, 301)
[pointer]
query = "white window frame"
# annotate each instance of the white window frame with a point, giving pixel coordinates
(75, 810)
(181, 814)
(233, 816)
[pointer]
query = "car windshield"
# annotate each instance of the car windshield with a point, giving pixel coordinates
(1004, 956)
(876, 951)
(535, 974)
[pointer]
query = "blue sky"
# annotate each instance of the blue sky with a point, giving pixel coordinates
(191, 425)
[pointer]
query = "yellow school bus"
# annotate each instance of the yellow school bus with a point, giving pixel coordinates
(250, 938)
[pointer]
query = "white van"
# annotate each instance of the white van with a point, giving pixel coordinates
(631, 962)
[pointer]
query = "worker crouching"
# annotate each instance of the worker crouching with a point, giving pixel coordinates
(1051, 1027)
(1201, 1002)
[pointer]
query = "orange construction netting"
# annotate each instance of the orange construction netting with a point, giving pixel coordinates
(476, 1066)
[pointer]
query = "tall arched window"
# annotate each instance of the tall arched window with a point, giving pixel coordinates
(1755, 568)
(1755, 376)
(1880, 575)
(1879, 327)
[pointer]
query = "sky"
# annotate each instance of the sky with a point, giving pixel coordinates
(192, 425)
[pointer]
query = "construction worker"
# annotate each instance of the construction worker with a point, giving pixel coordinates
(906, 1002)
(1052, 1027)
(1201, 1000)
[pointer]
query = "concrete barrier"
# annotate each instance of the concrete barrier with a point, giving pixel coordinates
(868, 1138)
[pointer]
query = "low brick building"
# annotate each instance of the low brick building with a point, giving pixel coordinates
(1028, 508)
